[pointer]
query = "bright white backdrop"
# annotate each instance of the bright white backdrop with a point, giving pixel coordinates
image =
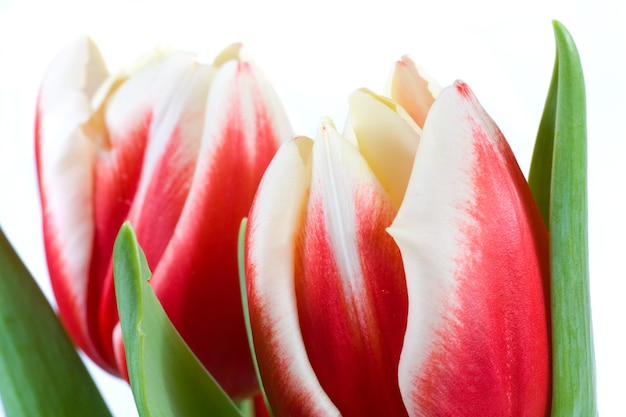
(317, 53)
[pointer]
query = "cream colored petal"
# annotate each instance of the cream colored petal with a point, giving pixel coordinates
(412, 88)
(387, 138)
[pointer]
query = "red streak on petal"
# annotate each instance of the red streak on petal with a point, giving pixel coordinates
(157, 215)
(116, 179)
(354, 353)
(493, 356)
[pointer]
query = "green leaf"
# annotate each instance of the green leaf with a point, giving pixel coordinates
(540, 175)
(558, 178)
(244, 301)
(166, 377)
(41, 373)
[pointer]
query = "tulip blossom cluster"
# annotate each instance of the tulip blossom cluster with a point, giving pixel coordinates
(400, 269)
(177, 147)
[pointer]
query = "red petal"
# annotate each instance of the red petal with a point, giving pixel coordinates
(197, 278)
(350, 285)
(154, 123)
(65, 153)
(476, 256)
(291, 385)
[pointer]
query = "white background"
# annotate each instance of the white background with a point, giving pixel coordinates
(317, 53)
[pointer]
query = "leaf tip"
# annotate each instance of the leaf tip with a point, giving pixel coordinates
(563, 37)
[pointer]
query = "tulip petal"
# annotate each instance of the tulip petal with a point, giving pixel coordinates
(409, 86)
(154, 122)
(244, 126)
(290, 383)
(475, 252)
(65, 160)
(387, 138)
(350, 284)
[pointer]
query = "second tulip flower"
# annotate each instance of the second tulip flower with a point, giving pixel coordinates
(404, 271)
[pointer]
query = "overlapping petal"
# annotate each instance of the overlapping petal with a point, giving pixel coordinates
(412, 89)
(154, 124)
(346, 284)
(349, 281)
(290, 382)
(65, 158)
(244, 126)
(475, 254)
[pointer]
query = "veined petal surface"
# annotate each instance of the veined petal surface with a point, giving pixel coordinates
(475, 251)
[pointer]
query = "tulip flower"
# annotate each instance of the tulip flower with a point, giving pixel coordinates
(400, 270)
(177, 147)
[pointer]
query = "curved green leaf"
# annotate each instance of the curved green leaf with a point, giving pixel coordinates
(41, 373)
(166, 377)
(558, 178)
(540, 175)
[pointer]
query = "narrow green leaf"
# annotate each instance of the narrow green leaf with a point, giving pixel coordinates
(540, 174)
(166, 377)
(558, 178)
(244, 299)
(41, 373)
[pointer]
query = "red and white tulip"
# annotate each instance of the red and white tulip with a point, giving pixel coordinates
(401, 270)
(177, 147)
